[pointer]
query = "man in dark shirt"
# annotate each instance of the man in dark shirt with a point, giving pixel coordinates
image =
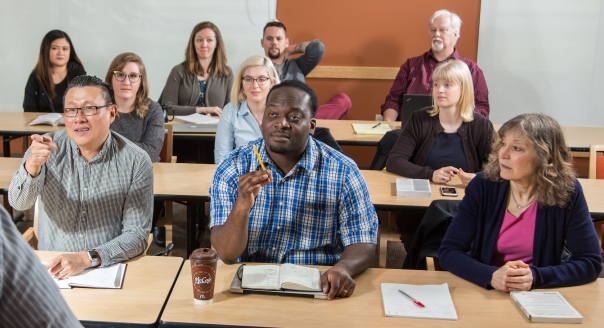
(415, 75)
(277, 48)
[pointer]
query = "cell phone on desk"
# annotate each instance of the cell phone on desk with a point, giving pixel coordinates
(448, 191)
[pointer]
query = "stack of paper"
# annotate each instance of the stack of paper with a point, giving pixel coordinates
(436, 300)
(419, 188)
(107, 277)
(546, 307)
(197, 119)
(380, 128)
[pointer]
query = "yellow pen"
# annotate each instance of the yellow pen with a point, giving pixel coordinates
(259, 159)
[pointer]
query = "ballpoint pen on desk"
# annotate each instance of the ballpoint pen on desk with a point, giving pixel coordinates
(375, 126)
(418, 303)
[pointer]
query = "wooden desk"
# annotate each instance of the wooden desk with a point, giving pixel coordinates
(342, 131)
(382, 189)
(147, 284)
(475, 306)
(14, 124)
(184, 183)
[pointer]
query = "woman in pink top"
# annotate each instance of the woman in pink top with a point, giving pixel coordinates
(524, 221)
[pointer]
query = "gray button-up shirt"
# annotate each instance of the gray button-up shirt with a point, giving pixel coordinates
(104, 204)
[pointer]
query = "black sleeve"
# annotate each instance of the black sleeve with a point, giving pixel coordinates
(32, 93)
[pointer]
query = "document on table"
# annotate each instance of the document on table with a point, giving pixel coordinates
(110, 277)
(197, 118)
(435, 298)
(546, 307)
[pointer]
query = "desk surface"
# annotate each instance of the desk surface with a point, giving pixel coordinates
(181, 179)
(8, 166)
(342, 131)
(147, 284)
(15, 124)
(475, 306)
(193, 180)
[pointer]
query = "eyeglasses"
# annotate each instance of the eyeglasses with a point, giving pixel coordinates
(250, 80)
(86, 110)
(121, 76)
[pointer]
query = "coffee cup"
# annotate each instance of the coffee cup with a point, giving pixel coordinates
(203, 274)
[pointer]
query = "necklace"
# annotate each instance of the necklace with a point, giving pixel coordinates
(518, 206)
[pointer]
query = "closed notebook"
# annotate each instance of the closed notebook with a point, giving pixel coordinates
(419, 188)
(546, 307)
(380, 128)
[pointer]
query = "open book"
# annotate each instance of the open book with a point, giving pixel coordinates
(436, 301)
(285, 280)
(546, 307)
(286, 276)
(110, 277)
(378, 128)
(419, 188)
(53, 119)
(197, 119)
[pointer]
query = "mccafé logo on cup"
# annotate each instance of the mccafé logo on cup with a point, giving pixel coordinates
(202, 280)
(203, 274)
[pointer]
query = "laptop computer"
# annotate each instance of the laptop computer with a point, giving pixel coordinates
(411, 103)
(178, 127)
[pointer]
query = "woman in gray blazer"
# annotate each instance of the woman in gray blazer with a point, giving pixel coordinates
(202, 83)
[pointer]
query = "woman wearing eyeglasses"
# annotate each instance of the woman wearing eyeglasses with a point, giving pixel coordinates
(241, 118)
(57, 64)
(139, 118)
(202, 83)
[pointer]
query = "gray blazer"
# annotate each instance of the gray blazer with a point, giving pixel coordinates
(182, 90)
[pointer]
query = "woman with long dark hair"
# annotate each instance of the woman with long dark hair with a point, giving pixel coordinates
(58, 63)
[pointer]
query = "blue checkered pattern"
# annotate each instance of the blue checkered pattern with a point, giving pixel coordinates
(307, 216)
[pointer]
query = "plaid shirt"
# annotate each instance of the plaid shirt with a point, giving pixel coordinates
(307, 216)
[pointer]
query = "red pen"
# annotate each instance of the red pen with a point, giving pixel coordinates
(418, 303)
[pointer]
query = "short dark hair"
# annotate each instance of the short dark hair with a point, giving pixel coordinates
(92, 81)
(274, 24)
(314, 103)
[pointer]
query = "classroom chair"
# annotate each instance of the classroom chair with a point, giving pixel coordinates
(596, 171)
(423, 250)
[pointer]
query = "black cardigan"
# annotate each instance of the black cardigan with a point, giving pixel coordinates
(36, 98)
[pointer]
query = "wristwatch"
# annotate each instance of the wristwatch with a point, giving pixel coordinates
(94, 258)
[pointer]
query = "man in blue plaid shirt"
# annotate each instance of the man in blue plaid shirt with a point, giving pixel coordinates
(310, 206)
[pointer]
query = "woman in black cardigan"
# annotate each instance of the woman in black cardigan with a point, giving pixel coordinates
(57, 64)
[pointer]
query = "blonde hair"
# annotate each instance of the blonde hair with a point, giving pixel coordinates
(555, 180)
(218, 66)
(142, 101)
(237, 94)
(458, 72)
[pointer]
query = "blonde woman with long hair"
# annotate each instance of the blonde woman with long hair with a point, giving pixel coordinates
(241, 118)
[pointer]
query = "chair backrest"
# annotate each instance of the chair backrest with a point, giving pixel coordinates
(596, 162)
(383, 149)
(165, 155)
(431, 231)
(31, 234)
(324, 135)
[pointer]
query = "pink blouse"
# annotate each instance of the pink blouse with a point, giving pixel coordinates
(516, 237)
